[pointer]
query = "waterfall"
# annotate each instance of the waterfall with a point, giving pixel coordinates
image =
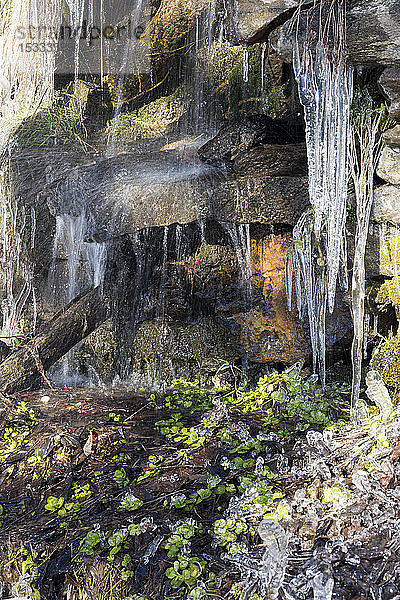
(325, 90)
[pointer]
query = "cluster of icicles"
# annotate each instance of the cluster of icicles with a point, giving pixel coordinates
(336, 147)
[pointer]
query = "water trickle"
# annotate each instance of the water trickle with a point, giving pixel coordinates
(245, 63)
(17, 271)
(263, 90)
(126, 64)
(239, 234)
(76, 9)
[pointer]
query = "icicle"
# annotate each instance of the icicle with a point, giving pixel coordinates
(325, 86)
(325, 90)
(375, 325)
(378, 393)
(274, 561)
(363, 162)
(367, 318)
(245, 63)
(305, 267)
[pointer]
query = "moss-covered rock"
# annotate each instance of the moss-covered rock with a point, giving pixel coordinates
(60, 123)
(152, 120)
(389, 293)
(164, 350)
(386, 360)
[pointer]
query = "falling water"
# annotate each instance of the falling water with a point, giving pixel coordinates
(239, 235)
(76, 9)
(85, 260)
(26, 82)
(245, 63)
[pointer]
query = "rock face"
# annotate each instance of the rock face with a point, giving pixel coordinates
(389, 162)
(373, 33)
(387, 197)
(130, 192)
(248, 20)
(390, 84)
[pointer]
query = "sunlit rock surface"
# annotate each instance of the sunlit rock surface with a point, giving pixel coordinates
(386, 204)
(130, 192)
(251, 18)
(389, 162)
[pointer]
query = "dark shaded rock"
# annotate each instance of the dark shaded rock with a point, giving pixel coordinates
(373, 32)
(390, 84)
(5, 351)
(242, 135)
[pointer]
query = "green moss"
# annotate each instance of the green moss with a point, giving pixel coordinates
(150, 121)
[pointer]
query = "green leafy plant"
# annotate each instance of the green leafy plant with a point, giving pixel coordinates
(182, 532)
(121, 478)
(185, 571)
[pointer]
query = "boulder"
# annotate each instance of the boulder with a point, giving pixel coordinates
(386, 207)
(130, 192)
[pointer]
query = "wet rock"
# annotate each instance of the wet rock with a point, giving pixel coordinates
(240, 136)
(273, 160)
(390, 84)
(389, 162)
(269, 331)
(129, 192)
(174, 349)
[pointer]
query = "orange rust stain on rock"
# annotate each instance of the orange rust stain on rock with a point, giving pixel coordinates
(272, 332)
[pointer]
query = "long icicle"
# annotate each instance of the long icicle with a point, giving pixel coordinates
(325, 85)
(364, 154)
